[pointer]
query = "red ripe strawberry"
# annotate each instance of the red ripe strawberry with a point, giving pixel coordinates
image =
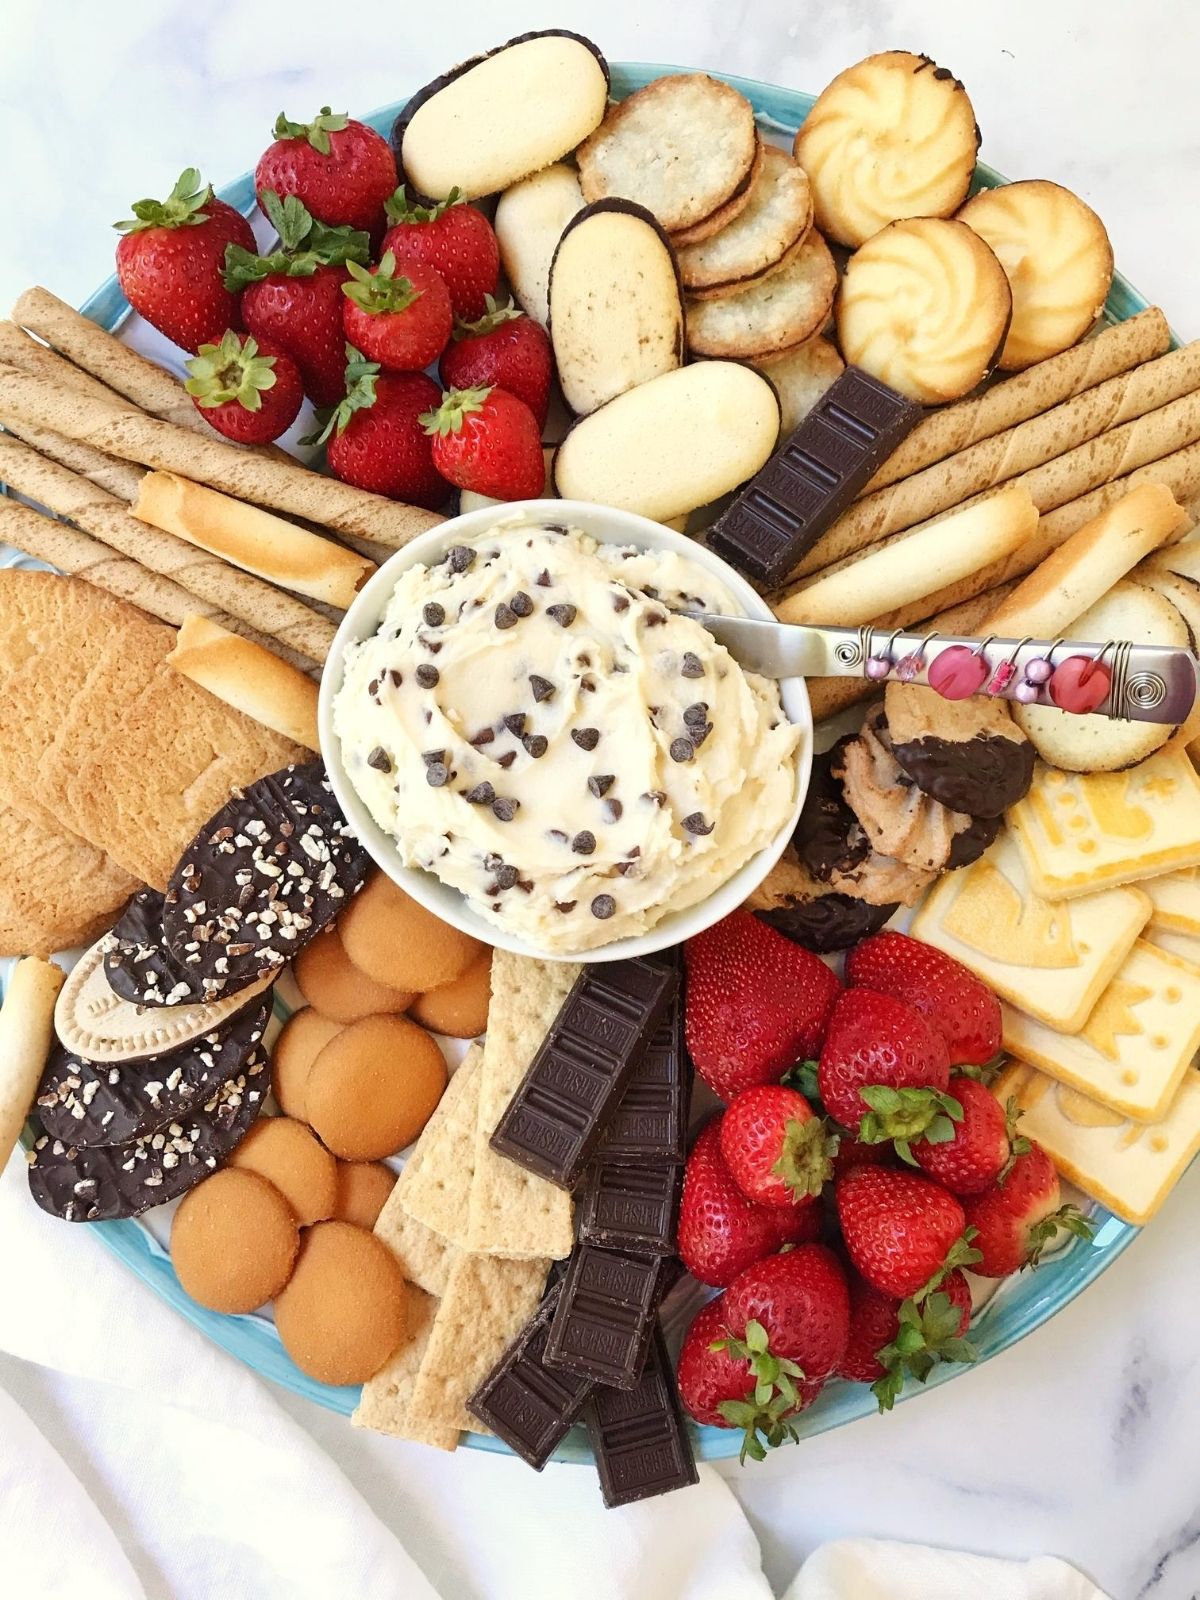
(756, 1003)
(342, 170)
(874, 1322)
(1018, 1216)
(402, 319)
(489, 441)
(891, 1339)
(721, 1232)
(964, 1011)
(375, 437)
(900, 1230)
(170, 258)
(775, 1146)
(851, 1152)
(708, 1376)
(505, 347)
(454, 239)
(247, 390)
(883, 1071)
(981, 1144)
(292, 296)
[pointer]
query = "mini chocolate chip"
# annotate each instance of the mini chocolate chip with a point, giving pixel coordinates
(563, 615)
(634, 853)
(583, 659)
(557, 835)
(695, 716)
(565, 905)
(650, 591)
(481, 795)
(613, 810)
(603, 906)
(699, 735)
(542, 688)
(515, 722)
(504, 809)
(555, 527)
(601, 783)
(437, 774)
(696, 823)
(586, 738)
(655, 619)
(506, 617)
(588, 685)
(396, 677)
(506, 877)
(492, 861)
(536, 744)
(584, 842)
(460, 558)
(373, 686)
(525, 885)
(433, 613)
(379, 759)
(691, 665)
(428, 717)
(656, 797)
(428, 677)
(682, 750)
(543, 579)
(432, 645)
(625, 868)
(507, 759)
(430, 756)
(521, 604)
(620, 603)
(484, 736)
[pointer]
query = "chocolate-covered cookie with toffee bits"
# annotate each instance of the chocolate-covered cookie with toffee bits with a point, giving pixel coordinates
(139, 966)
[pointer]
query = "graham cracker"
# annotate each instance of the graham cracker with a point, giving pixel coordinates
(435, 1186)
(1053, 959)
(1130, 1167)
(383, 1404)
(513, 1212)
(1082, 831)
(60, 891)
(1176, 901)
(1135, 1047)
(424, 1256)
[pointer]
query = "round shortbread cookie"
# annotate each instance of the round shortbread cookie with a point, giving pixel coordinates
(1058, 258)
(892, 136)
(801, 376)
(343, 1311)
(681, 147)
(329, 980)
(374, 1087)
(301, 1039)
(234, 1242)
(771, 313)
(391, 938)
(362, 1190)
(459, 1008)
(924, 306)
(725, 214)
(775, 219)
(529, 222)
(285, 1153)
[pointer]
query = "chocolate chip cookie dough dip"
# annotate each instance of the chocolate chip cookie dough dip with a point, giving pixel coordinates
(539, 723)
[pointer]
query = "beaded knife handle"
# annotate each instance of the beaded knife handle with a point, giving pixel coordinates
(1129, 682)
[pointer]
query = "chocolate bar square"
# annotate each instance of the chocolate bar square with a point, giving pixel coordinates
(639, 1436)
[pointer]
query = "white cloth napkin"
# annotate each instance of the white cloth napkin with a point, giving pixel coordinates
(139, 1462)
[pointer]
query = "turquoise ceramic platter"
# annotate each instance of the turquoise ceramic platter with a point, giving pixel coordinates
(1022, 1304)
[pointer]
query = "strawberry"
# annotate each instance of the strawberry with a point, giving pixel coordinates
(852, 1152)
(902, 1231)
(1017, 1217)
(506, 347)
(402, 321)
(455, 240)
(964, 1011)
(292, 295)
(721, 1232)
(489, 441)
(708, 1374)
(775, 1147)
(170, 257)
(874, 1323)
(755, 1005)
(340, 169)
(248, 391)
(891, 1340)
(982, 1144)
(375, 437)
(883, 1072)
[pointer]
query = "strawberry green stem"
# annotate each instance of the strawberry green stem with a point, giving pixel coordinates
(231, 370)
(457, 404)
(183, 207)
(316, 132)
(400, 208)
(494, 317)
(380, 291)
(805, 1159)
(360, 396)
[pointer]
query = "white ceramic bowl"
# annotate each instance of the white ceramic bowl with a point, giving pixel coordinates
(609, 527)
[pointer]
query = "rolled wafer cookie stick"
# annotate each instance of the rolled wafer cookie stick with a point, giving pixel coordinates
(26, 1031)
(249, 678)
(1002, 459)
(21, 349)
(81, 556)
(283, 485)
(269, 610)
(955, 427)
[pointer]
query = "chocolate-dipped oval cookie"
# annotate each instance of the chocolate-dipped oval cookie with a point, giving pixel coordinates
(828, 837)
(829, 921)
(92, 1103)
(968, 754)
(113, 1181)
(262, 878)
(140, 968)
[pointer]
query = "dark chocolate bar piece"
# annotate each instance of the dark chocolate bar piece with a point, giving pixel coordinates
(601, 1328)
(649, 1121)
(631, 1208)
(527, 1404)
(806, 485)
(553, 1122)
(639, 1436)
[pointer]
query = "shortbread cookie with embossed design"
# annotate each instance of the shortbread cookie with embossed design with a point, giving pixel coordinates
(1130, 1167)
(1176, 901)
(1136, 1045)
(1053, 959)
(1079, 832)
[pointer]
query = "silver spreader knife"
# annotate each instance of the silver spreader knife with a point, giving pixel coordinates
(1128, 682)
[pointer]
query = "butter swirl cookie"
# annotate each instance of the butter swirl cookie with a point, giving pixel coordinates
(924, 306)
(893, 136)
(1058, 258)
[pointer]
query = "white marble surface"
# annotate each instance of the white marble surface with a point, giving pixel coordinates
(1085, 1439)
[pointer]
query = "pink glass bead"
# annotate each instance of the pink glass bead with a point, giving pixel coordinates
(1026, 693)
(1002, 677)
(908, 668)
(1037, 670)
(878, 667)
(1080, 684)
(958, 673)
